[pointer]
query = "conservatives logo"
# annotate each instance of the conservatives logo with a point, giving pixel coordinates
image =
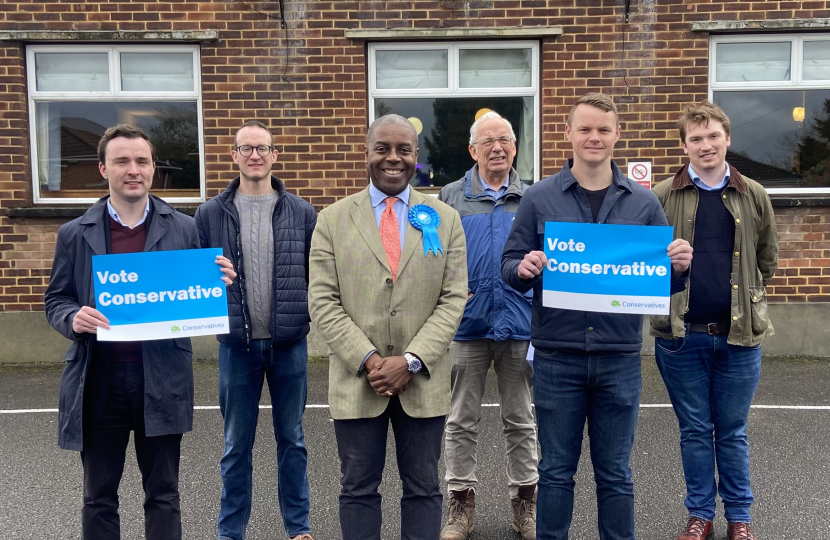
(615, 303)
(175, 328)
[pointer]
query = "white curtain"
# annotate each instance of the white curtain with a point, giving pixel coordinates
(524, 154)
(411, 69)
(72, 72)
(745, 62)
(164, 72)
(48, 140)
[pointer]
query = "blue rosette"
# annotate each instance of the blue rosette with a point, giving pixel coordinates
(426, 219)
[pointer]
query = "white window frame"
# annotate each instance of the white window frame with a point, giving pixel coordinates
(114, 94)
(796, 81)
(454, 74)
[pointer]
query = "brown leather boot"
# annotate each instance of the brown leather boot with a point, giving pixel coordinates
(697, 529)
(740, 531)
(524, 512)
(461, 516)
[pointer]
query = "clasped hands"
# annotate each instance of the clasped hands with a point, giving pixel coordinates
(388, 376)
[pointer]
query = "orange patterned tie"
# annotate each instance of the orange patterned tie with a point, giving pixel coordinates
(390, 235)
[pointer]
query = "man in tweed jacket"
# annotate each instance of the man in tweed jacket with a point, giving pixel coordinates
(389, 318)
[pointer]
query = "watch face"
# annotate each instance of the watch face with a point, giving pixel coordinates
(414, 364)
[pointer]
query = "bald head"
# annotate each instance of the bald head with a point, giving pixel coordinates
(392, 119)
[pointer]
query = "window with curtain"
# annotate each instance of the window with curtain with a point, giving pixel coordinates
(776, 91)
(442, 87)
(77, 92)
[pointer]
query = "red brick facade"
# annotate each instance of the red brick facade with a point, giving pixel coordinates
(309, 83)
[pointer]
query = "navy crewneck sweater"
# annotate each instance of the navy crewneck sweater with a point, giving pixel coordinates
(710, 290)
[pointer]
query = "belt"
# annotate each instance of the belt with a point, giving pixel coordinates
(712, 329)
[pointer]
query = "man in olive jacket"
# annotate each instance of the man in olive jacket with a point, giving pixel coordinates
(709, 348)
(111, 388)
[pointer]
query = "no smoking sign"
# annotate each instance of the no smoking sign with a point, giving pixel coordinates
(640, 172)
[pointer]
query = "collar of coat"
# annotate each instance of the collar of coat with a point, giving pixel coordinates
(95, 214)
(227, 195)
(682, 179)
(473, 187)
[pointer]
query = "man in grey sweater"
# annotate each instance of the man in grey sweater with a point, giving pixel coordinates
(266, 231)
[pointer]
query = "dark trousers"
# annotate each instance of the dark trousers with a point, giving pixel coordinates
(105, 448)
(361, 445)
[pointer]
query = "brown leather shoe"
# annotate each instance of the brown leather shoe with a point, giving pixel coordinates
(740, 531)
(697, 529)
(524, 512)
(461, 516)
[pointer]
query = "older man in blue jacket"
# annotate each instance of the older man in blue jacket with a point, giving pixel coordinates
(111, 388)
(587, 365)
(495, 329)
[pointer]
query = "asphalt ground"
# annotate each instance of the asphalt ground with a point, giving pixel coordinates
(40, 485)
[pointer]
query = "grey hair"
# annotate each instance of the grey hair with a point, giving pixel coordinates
(391, 119)
(487, 116)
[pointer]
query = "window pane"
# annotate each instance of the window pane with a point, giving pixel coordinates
(412, 69)
(150, 72)
(72, 72)
(67, 135)
(739, 62)
(444, 139)
(495, 68)
(770, 146)
(816, 61)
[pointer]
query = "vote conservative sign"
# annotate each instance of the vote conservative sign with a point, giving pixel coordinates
(160, 294)
(607, 268)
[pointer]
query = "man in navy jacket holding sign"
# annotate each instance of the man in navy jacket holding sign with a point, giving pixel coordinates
(111, 388)
(587, 364)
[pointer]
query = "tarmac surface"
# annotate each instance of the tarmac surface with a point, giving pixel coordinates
(40, 485)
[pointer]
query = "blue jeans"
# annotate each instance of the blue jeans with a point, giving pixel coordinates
(241, 375)
(603, 388)
(711, 384)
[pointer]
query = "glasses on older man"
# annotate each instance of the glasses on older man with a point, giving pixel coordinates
(246, 150)
(487, 142)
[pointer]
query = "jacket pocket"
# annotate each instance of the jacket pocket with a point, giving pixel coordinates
(184, 344)
(661, 323)
(758, 310)
(72, 353)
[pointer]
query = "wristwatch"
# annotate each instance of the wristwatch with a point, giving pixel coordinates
(414, 362)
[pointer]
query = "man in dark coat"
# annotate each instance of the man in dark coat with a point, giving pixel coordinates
(266, 232)
(111, 388)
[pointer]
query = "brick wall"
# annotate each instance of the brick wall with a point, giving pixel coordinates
(804, 247)
(309, 84)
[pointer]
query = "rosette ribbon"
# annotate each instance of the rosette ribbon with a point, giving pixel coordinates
(426, 219)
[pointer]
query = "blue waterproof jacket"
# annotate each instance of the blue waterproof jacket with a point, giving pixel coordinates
(495, 310)
(560, 198)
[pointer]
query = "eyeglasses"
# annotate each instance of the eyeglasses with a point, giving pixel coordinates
(490, 141)
(246, 150)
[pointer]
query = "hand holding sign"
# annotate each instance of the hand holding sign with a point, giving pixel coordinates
(532, 265)
(87, 320)
(227, 269)
(680, 253)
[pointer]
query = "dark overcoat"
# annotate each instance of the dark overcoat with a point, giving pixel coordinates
(168, 369)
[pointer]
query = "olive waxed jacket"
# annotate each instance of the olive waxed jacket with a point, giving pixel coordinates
(754, 260)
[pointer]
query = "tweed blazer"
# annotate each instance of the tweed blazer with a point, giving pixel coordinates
(357, 307)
